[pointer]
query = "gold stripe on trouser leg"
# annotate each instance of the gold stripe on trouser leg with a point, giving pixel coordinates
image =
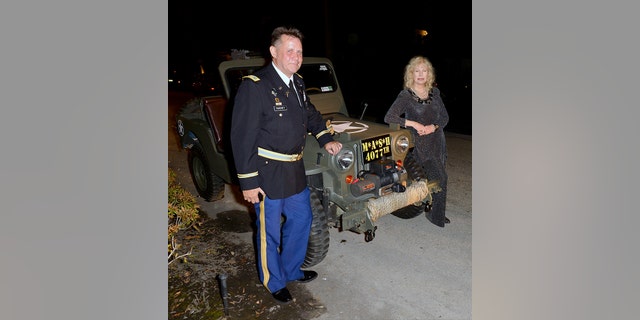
(263, 247)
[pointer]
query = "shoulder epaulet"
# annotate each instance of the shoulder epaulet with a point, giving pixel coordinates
(252, 77)
(299, 75)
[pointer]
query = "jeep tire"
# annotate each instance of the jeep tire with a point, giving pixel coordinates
(209, 186)
(318, 245)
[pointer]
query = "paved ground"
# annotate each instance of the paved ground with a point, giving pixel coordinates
(411, 270)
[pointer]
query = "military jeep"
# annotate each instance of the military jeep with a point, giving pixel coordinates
(374, 174)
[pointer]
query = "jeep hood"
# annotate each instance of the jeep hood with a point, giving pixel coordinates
(349, 129)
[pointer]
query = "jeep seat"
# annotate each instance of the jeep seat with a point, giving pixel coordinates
(214, 108)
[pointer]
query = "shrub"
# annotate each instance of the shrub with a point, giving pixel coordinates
(182, 213)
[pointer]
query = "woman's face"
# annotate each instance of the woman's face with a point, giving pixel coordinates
(420, 74)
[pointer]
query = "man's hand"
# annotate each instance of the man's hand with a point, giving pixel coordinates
(333, 147)
(252, 195)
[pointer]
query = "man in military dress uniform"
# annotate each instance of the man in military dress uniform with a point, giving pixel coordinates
(272, 116)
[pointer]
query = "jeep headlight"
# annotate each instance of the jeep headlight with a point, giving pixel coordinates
(402, 144)
(344, 158)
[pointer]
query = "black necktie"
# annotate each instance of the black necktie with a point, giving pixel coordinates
(292, 87)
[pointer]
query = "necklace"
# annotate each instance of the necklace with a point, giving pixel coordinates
(418, 98)
(421, 93)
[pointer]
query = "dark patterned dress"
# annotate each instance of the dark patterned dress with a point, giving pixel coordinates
(430, 150)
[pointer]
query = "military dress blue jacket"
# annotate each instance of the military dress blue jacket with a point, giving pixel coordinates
(267, 114)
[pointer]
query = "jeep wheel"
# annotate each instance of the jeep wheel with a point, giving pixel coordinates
(209, 186)
(416, 173)
(318, 246)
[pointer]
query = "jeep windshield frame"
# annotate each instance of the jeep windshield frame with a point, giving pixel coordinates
(318, 73)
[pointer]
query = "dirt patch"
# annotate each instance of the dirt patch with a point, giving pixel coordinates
(194, 282)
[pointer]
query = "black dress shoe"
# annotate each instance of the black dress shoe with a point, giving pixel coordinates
(308, 276)
(446, 220)
(282, 295)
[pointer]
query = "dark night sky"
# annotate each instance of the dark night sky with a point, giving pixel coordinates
(368, 45)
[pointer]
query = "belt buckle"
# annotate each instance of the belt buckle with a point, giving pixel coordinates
(296, 157)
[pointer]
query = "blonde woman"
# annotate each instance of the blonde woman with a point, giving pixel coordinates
(420, 108)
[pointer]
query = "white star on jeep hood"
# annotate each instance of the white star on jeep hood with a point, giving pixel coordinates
(349, 126)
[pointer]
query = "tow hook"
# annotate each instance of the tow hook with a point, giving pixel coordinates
(370, 234)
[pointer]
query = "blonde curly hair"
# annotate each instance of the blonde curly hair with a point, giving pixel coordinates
(412, 65)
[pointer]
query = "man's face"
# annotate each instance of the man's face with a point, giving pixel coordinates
(287, 54)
